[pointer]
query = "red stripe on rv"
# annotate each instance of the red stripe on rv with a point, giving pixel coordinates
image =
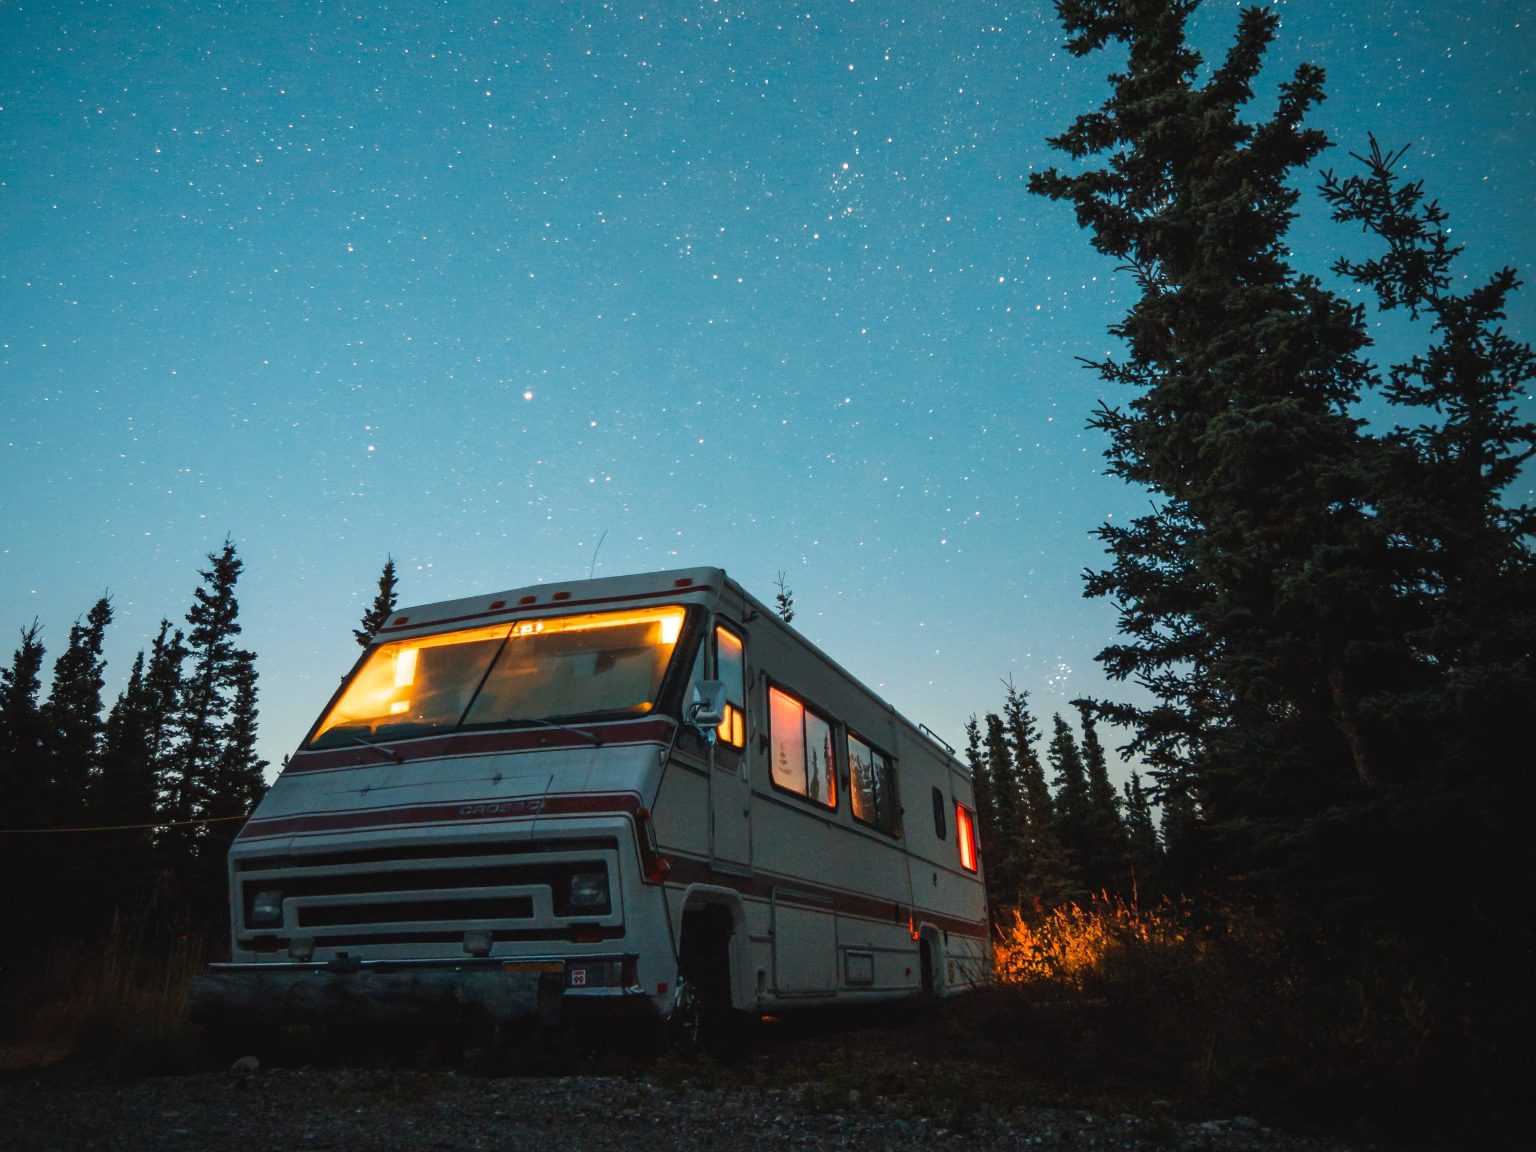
(650, 731)
(794, 890)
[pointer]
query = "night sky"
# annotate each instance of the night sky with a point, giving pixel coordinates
(742, 284)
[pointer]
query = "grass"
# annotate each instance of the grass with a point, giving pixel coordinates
(115, 1004)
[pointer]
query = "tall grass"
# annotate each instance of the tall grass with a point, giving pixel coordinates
(116, 1002)
(1228, 1009)
(1070, 943)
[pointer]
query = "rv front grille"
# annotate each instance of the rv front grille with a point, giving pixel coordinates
(405, 898)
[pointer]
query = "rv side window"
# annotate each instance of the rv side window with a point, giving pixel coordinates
(730, 666)
(801, 749)
(872, 787)
(965, 834)
(938, 815)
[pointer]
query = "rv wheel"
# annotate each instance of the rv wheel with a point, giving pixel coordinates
(685, 1026)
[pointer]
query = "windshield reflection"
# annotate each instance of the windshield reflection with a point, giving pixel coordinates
(555, 668)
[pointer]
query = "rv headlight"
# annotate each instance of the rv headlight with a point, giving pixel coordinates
(267, 908)
(588, 890)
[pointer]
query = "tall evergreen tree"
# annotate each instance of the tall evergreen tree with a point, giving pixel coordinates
(60, 888)
(133, 756)
(1070, 801)
(23, 771)
(23, 774)
(72, 719)
(383, 604)
(1106, 866)
(1250, 598)
(1467, 565)
(237, 783)
(1141, 835)
(194, 779)
(1007, 861)
(1044, 863)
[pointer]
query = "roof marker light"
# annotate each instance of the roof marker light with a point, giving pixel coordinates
(495, 604)
(528, 600)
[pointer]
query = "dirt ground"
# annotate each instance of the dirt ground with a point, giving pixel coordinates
(833, 1085)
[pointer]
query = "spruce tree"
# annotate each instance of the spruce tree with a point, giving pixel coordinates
(72, 719)
(1070, 802)
(1466, 555)
(237, 783)
(133, 756)
(1141, 836)
(1451, 843)
(1250, 597)
(72, 731)
(1007, 858)
(1046, 871)
(383, 604)
(1106, 866)
(195, 779)
(784, 600)
(23, 771)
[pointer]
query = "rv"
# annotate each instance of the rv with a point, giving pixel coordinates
(644, 794)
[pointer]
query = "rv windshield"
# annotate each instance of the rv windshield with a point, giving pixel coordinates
(554, 668)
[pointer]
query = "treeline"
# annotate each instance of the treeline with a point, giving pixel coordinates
(129, 811)
(1055, 830)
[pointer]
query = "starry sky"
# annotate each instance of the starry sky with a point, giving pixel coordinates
(516, 292)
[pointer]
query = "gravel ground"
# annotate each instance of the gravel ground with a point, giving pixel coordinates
(661, 1108)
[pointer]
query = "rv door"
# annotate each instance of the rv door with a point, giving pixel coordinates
(730, 789)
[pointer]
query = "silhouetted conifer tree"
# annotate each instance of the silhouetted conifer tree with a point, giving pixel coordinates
(1251, 600)
(383, 604)
(1047, 879)
(72, 717)
(1141, 836)
(1463, 554)
(784, 601)
(207, 769)
(1105, 865)
(23, 771)
(1070, 802)
(72, 732)
(1006, 863)
(124, 795)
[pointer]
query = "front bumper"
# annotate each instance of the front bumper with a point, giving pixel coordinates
(495, 991)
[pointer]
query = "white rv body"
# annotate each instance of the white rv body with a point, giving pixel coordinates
(523, 867)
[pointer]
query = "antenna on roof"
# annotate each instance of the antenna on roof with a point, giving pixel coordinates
(593, 570)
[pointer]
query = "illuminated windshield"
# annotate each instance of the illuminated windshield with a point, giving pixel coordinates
(557, 668)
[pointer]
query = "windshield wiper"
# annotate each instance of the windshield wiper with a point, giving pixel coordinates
(596, 743)
(390, 753)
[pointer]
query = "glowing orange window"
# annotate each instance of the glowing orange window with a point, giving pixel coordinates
(965, 833)
(730, 666)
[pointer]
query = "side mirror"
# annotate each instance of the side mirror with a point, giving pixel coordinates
(707, 712)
